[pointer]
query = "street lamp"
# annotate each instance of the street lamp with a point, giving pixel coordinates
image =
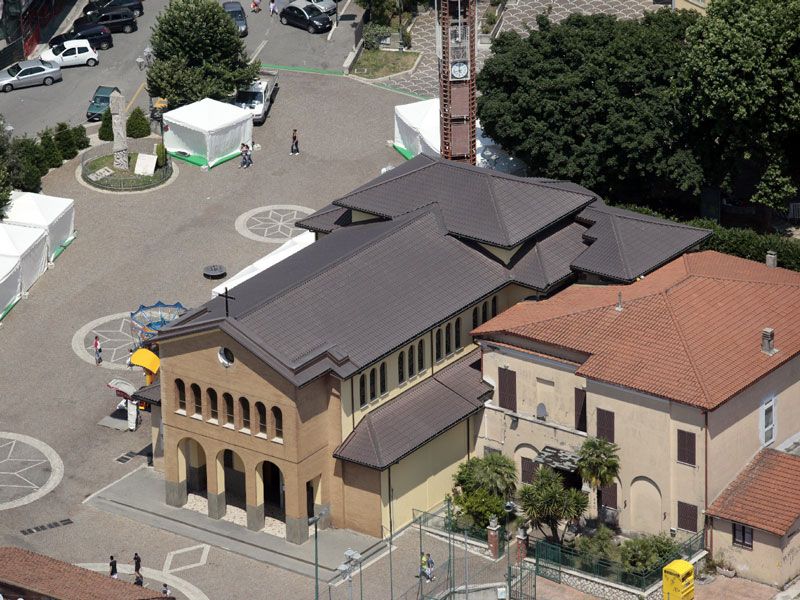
(313, 521)
(351, 559)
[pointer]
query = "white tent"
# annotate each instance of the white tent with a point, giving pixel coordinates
(207, 132)
(55, 215)
(28, 245)
(285, 250)
(416, 130)
(10, 284)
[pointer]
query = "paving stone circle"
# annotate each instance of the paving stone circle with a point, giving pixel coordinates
(272, 224)
(116, 341)
(29, 470)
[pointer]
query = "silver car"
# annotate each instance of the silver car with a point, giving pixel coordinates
(326, 6)
(27, 73)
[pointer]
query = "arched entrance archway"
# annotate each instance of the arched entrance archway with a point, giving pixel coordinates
(646, 514)
(192, 466)
(233, 478)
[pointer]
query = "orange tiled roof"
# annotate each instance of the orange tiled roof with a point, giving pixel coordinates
(764, 495)
(62, 581)
(690, 331)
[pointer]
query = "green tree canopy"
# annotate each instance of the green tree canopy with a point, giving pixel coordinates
(742, 88)
(198, 54)
(5, 184)
(592, 100)
(547, 502)
(495, 473)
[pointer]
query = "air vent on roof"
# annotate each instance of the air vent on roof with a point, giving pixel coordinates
(772, 259)
(768, 341)
(618, 308)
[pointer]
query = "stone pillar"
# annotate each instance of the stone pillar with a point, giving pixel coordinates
(175, 472)
(296, 510)
(215, 484)
(493, 536)
(254, 492)
(522, 545)
(117, 107)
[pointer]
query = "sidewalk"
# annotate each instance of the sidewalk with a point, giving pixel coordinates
(140, 497)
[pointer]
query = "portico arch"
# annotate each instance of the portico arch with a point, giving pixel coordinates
(187, 475)
(646, 513)
(232, 482)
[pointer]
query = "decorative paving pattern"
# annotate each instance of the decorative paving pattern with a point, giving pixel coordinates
(272, 224)
(29, 469)
(152, 579)
(199, 553)
(116, 341)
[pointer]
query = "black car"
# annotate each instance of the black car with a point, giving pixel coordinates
(99, 37)
(116, 19)
(236, 12)
(94, 6)
(302, 13)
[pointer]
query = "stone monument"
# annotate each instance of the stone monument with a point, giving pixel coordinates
(118, 127)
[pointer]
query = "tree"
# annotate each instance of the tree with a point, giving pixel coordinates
(741, 89)
(495, 473)
(5, 187)
(598, 465)
(137, 125)
(80, 137)
(65, 141)
(5, 191)
(547, 502)
(592, 100)
(478, 506)
(380, 11)
(106, 132)
(50, 152)
(198, 53)
(26, 164)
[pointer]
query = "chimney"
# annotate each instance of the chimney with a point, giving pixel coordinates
(768, 341)
(618, 308)
(772, 259)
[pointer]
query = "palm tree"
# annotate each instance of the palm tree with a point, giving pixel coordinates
(547, 502)
(598, 465)
(497, 473)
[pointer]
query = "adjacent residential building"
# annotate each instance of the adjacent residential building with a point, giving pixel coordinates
(693, 371)
(345, 377)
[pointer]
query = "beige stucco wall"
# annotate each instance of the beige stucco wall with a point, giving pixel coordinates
(763, 563)
(734, 435)
(696, 5)
(791, 553)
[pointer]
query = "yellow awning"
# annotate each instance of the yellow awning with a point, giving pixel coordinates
(146, 359)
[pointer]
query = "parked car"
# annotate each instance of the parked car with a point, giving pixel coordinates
(99, 36)
(236, 12)
(99, 102)
(94, 6)
(116, 19)
(326, 6)
(304, 14)
(27, 73)
(258, 97)
(72, 53)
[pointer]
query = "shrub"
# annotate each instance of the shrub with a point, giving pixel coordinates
(137, 125)
(495, 2)
(25, 149)
(406, 36)
(479, 507)
(65, 141)
(50, 152)
(161, 156)
(642, 555)
(26, 165)
(599, 546)
(80, 137)
(106, 132)
(491, 18)
(373, 34)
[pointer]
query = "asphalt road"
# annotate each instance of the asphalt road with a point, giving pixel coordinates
(30, 110)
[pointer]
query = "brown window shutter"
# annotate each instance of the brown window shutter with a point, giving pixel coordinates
(686, 447)
(529, 467)
(608, 496)
(605, 424)
(580, 409)
(687, 516)
(507, 392)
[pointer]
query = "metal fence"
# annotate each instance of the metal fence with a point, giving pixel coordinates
(446, 522)
(117, 181)
(551, 558)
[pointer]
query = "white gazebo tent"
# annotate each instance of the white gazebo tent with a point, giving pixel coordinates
(416, 130)
(207, 132)
(10, 284)
(28, 245)
(56, 216)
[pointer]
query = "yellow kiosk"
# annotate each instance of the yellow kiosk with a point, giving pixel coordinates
(678, 581)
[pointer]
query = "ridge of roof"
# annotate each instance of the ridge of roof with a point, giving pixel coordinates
(496, 210)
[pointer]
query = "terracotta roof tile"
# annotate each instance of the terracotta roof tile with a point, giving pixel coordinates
(689, 331)
(764, 495)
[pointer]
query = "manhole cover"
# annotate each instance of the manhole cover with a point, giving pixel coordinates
(214, 272)
(272, 224)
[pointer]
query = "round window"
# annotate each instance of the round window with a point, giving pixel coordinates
(225, 357)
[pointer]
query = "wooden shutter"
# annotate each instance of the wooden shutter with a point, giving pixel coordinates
(687, 516)
(686, 447)
(507, 392)
(608, 496)
(529, 468)
(580, 409)
(605, 424)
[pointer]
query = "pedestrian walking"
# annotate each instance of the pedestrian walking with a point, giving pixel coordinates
(98, 358)
(295, 143)
(423, 566)
(165, 591)
(255, 6)
(429, 565)
(137, 562)
(112, 565)
(272, 9)
(247, 156)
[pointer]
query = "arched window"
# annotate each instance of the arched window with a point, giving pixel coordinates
(485, 312)
(401, 367)
(411, 364)
(448, 345)
(277, 419)
(180, 391)
(494, 306)
(382, 370)
(212, 403)
(362, 390)
(227, 400)
(438, 344)
(541, 412)
(198, 401)
(475, 317)
(458, 333)
(244, 409)
(261, 411)
(372, 388)
(420, 356)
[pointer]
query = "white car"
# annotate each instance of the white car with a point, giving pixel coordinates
(72, 53)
